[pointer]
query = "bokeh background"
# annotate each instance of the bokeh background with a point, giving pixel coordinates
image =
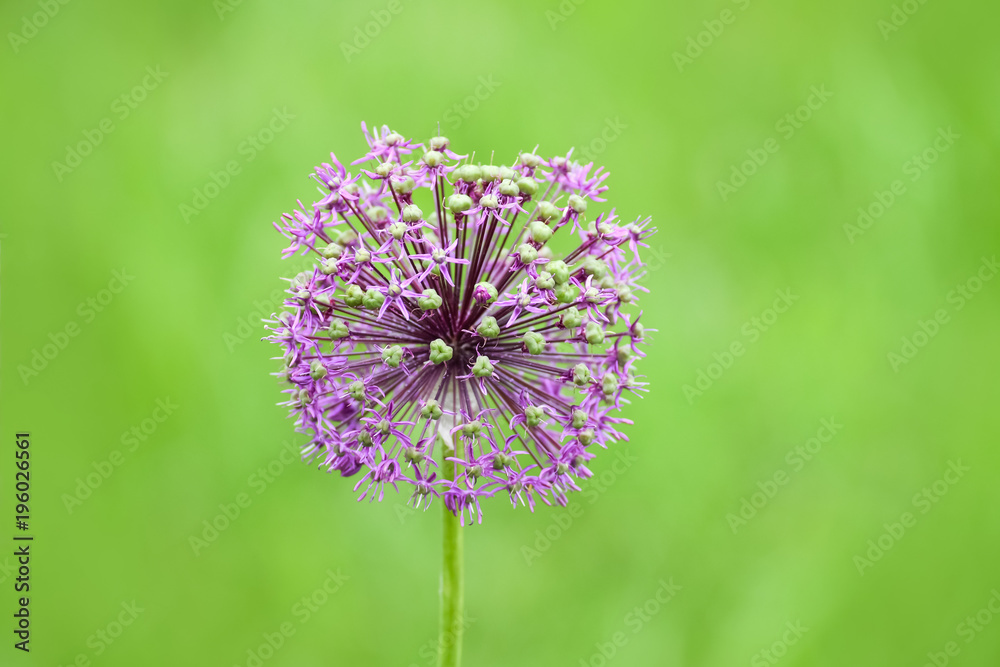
(601, 76)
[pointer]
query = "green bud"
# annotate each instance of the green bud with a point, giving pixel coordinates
(328, 267)
(412, 455)
(508, 188)
(303, 397)
(385, 169)
(459, 203)
(440, 351)
(566, 293)
(581, 375)
(577, 203)
(439, 143)
(539, 231)
(394, 138)
(348, 238)
(357, 390)
(508, 174)
(579, 418)
(586, 436)
(338, 329)
(559, 271)
(316, 370)
(354, 296)
(501, 461)
(377, 214)
(638, 331)
(488, 328)
(373, 299)
(433, 158)
(529, 160)
(527, 186)
(384, 426)
(593, 295)
(365, 439)
(609, 384)
(431, 409)
(404, 186)
(624, 294)
(333, 251)
(594, 333)
(490, 290)
(624, 354)
(547, 211)
(472, 428)
(468, 173)
(595, 267)
(412, 213)
(430, 299)
(392, 356)
(527, 253)
(362, 255)
(534, 342)
(534, 416)
(489, 201)
(571, 318)
(482, 368)
(544, 280)
(398, 230)
(489, 172)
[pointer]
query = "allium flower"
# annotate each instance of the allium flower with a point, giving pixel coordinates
(446, 319)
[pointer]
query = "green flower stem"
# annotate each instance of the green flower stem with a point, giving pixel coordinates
(452, 586)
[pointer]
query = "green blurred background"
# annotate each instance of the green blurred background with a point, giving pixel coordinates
(559, 76)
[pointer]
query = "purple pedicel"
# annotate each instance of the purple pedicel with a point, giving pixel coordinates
(457, 332)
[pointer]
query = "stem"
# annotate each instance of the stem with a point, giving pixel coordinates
(452, 588)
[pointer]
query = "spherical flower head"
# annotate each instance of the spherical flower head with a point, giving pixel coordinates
(439, 322)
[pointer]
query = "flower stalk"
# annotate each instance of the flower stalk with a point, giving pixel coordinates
(452, 578)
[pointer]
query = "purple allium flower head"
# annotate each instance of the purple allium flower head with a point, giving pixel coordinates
(445, 317)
